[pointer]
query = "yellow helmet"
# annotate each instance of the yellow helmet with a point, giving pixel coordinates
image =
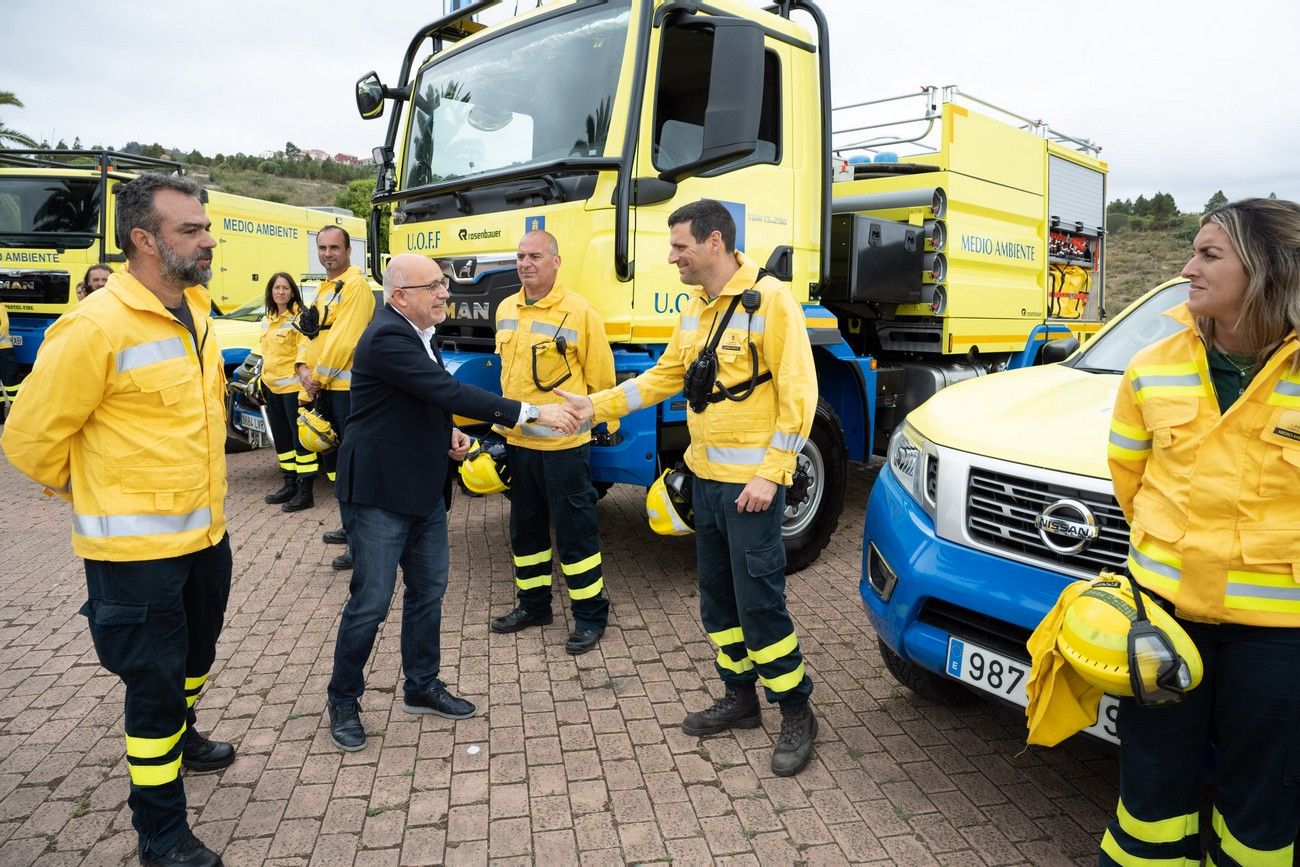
(486, 469)
(1094, 639)
(314, 432)
(668, 504)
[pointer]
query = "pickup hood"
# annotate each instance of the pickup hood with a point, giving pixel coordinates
(1053, 416)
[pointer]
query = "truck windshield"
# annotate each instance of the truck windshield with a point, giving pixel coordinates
(1142, 326)
(49, 212)
(537, 94)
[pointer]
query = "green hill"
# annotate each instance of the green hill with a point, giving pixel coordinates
(272, 188)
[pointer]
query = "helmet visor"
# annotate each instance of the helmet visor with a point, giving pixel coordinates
(1156, 671)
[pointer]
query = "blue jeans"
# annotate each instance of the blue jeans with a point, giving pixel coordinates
(741, 562)
(381, 541)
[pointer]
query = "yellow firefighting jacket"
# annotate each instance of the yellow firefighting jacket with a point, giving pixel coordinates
(346, 306)
(526, 332)
(1213, 500)
(281, 343)
(124, 413)
(6, 342)
(759, 436)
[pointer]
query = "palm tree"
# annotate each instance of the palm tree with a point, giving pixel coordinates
(13, 136)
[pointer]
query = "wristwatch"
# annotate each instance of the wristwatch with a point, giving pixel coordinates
(532, 412)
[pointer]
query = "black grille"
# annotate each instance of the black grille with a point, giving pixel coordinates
(1001, 509)
(1005, 638)
(35, 287)
(472, 313)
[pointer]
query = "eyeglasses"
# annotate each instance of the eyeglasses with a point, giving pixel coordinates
(444, 283)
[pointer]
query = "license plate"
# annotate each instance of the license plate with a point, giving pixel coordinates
(1005, 677)
(248, 421)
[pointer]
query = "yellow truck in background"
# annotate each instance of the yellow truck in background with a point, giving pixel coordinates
(57, 219)
(930, 239)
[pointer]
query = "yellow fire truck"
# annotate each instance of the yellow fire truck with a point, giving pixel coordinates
(57, 219)
(946, 241)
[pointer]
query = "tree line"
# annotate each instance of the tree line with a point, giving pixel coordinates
(1157, 213)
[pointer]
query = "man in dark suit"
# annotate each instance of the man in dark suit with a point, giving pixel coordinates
(394, 490)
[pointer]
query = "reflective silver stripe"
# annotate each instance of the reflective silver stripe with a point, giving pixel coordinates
(1129, 443)
(339, 373)
(149, 353)
(790, 442)
(1236, 588)
(743, 321)
(537, 430)
(1173, 573)
(286, 325)
(286, 380)
(1291, 389)
(105, 526)
(1187, 379)
(553, 331)
(507, 324)
(633, 393)
(690, 323)
(719, 455)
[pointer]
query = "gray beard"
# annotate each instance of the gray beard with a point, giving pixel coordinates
(181, 270)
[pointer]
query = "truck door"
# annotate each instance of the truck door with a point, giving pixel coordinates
(688, 97)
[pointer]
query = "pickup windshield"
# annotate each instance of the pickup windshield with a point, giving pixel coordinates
(536, 94)
(49, 212)
(1141, 326)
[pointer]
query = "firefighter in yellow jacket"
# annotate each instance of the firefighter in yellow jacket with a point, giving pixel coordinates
(741, 355)
(280, 345)
(8, 366)
(344, 307)
(124, 415)
(548, 337)
(1205, 455)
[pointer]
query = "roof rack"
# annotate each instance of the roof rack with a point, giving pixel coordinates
(105, 160)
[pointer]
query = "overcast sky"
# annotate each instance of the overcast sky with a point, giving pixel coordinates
(1185, 98)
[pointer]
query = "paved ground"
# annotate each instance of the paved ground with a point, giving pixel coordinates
(569, 760)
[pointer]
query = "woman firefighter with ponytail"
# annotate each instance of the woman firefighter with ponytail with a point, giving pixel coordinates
(1205, 454)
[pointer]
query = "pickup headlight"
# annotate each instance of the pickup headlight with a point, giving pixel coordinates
(914, 461)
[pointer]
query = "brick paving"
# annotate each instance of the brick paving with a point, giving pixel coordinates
(570, 760)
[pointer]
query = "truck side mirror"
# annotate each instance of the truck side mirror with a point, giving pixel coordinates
(1057, 350)
(735, 104)
(370, 96)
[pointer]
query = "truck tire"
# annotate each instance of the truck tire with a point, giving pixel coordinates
(926, 684)
(823, 465)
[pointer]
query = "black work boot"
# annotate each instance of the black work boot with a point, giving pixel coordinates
(303, 497)
(794, 746)
(738, 709)
(286, 491)
(189, 852)
(202, 755)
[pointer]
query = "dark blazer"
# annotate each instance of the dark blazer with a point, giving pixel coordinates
(394, 452)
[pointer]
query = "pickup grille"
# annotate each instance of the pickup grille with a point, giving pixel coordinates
(1000, 513)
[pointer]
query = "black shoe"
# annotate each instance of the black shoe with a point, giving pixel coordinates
(438, 701)
(794, 747)
(303, 498)
(335, 537)
(342, 562)
(202, 755)
(345, 726)
(738, 709)
(582, 640)
(286, 492)
(190, 852)
(520, 618)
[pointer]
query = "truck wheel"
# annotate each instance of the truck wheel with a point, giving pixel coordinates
(821, 468)
(926, 684)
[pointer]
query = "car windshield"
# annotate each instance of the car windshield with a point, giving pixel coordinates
(49, 212)
(255, 308)
(536, 94)
(1111, 352)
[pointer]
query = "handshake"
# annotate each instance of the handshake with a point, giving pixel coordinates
(567, 417)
